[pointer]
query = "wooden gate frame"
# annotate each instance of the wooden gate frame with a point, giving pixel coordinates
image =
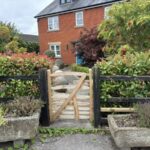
(72, 96)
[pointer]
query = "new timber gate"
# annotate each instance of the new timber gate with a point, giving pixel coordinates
(71, 101)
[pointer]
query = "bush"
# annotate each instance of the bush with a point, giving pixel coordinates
(89, 47)
(50, 53)
(30, 46)
(129, 64)
(128, 24)
(21, 64)
(22, 106)
(78, 68)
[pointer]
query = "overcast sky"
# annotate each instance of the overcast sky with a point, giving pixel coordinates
(21, 13)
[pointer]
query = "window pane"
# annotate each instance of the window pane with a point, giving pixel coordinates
(106, 16)
(53, 23)
(58, 53)
(62, 1)
(52, 47)
(79, 19)
(57, 47)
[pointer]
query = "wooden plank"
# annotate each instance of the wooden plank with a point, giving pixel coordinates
(50, 100)
(77, 88)
(68, 74)
(76, 108)
(91, 95)
(105, 109)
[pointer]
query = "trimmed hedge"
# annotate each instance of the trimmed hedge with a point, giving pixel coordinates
(21, 64)
(78, 68)
(130, 64)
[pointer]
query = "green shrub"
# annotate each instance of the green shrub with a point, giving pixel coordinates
(129, 64)
(78, 68)
(21, 64)
(2, 113)
(50, 53)
(128, 24)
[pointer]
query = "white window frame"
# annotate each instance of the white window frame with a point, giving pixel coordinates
(106, 10)
(79, 19)
(55, 44)
(53, 22)
(65, 1)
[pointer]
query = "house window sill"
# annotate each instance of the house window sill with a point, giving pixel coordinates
(56, 30)
(79, 26)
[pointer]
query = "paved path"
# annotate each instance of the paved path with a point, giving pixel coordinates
(77, 142)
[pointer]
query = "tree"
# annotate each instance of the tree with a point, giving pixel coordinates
(89, 47)
(30, 46)
(9, 38)
(128, 25)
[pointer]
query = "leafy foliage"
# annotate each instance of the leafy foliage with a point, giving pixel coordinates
(129, 64)
(89, 47)
(22, 106)
(54, 132)
(50, 53)
(128, 24)
(2, 119)
(79, 68)
(30, 46)
(21, 64)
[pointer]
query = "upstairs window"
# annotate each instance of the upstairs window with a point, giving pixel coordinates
(79, 19)
(106, 12)
(65, 1)
(53, 23)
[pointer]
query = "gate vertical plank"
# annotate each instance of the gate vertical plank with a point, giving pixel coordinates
(76, 108)
(91, 95)
(67, 101)
(50, 95)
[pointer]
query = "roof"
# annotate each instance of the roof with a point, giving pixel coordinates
(29, 38)
(55, 7)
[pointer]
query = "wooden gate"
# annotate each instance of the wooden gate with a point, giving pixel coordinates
(72, 105)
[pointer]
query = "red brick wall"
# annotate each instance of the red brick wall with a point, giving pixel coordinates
(68, 32)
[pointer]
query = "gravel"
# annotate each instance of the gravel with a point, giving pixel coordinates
(77, 142)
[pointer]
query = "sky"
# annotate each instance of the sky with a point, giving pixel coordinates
(21, 13)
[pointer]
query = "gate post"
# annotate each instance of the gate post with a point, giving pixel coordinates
(44, 118)
(96, 94)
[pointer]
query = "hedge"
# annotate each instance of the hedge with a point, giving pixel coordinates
(130, 64)
(21, 64)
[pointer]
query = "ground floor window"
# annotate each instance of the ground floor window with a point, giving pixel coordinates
(55, 47)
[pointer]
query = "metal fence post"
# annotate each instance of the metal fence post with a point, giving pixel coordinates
(44, 118)
(96, 91)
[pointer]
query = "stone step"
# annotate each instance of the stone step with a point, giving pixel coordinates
(59, 96)
(68, 88)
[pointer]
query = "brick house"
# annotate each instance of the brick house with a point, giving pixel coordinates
(62, 21)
